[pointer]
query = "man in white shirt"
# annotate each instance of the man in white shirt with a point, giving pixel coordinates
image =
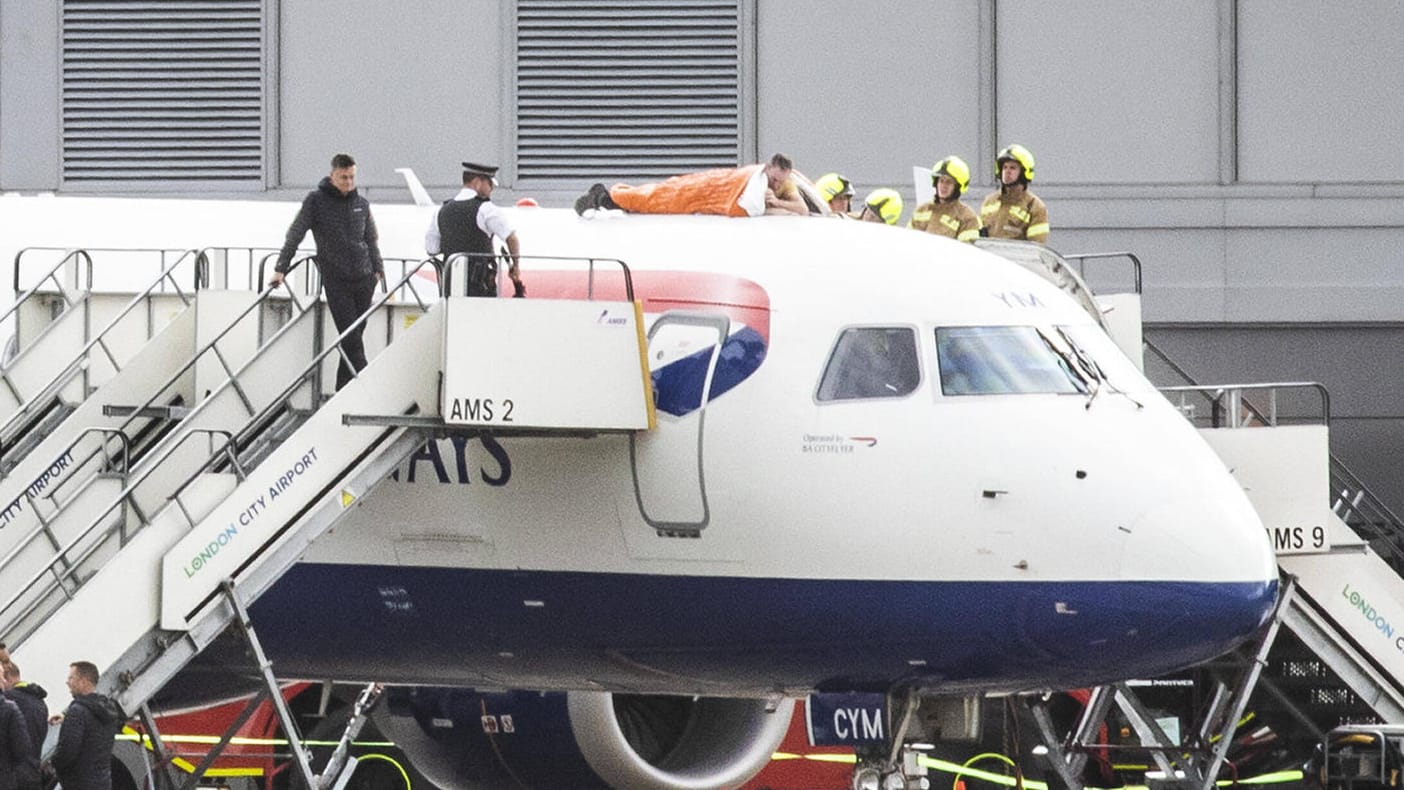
(467, 223)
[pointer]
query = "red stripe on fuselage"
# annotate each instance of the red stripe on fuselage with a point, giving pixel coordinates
(739, 299)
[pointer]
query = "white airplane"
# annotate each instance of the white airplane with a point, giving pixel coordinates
(884, 462)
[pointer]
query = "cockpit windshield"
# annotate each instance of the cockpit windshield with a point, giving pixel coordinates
(871, 362)
(1000, 360)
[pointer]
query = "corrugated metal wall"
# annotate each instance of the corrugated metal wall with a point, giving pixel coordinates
(640, 89)
(161, 92)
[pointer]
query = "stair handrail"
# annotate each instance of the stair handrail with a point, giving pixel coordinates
(1239, 412)
(202, 273)
(1050, 265)
(314, 275)
(153, 401)
(1349, 495)
(459, 258)
(69, 253)
(228, 450)
(70, 564)
(79, 255)
(169, 446)
(124, 453)
(83, 255)
(142, 411)
(1083, 257)
(61, 379)
(264, 297)
(257, 423)
(1376, 522)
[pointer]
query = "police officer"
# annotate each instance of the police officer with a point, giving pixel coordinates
(467, 223)
(945, 215)
(1014, 212)
(838, 191)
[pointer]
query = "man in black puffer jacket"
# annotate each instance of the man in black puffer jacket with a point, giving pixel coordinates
(348, 255)
(83, 757)
(19, 767)
(30, 699)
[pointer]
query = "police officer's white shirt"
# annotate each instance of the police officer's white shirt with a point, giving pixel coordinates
(492, 220)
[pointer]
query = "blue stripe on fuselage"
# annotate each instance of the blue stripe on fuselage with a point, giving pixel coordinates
(679, 383)
(533, 629)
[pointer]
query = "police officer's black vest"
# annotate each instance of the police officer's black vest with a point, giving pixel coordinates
(458, 228)
(459, 232)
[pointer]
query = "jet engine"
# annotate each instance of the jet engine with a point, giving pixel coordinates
(466, 740)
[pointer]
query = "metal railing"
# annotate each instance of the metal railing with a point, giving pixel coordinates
(461, 260)
(1350, 499)
(52, 275)
(42, 399)
(313, 282)
(1081, 259)
(70, 557)
(79, 259)
(260, 421)
(61, 569)
(138, 418)
(44, 530)
(1233, 405)
(1051, 266)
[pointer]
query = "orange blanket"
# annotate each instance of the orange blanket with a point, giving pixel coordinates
(703, 192)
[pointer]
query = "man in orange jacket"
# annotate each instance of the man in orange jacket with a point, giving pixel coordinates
(730, 192)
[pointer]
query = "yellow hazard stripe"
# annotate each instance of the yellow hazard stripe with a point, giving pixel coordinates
(130, 735)
(945, 766)
(643, 365)
(133, 736)
(387, 758)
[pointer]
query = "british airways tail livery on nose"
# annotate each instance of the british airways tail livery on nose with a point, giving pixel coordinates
(883, 461)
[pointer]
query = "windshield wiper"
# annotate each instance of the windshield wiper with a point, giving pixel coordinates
(1076, 372)
(1095, 369)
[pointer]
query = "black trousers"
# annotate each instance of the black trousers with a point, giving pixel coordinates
(347, 299)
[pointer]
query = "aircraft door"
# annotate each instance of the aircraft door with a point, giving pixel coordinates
(669, 484)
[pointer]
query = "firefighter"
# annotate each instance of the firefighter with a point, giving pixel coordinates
(944, 214)
(838, 191)
(882, 205)
(1014, 212)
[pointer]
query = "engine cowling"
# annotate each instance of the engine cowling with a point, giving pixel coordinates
(466, 740)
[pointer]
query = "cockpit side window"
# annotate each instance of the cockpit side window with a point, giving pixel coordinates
(871, 362)
(1000, 360)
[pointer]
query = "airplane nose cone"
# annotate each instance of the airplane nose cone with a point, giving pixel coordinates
(1207, 538)
(1207, 570)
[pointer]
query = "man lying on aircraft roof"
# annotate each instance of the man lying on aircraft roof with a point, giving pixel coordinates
(729, 191)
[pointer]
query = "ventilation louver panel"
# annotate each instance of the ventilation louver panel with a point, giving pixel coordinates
(626, 90)
(162, 92)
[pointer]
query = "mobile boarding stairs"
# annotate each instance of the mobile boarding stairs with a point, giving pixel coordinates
(172, 467)
(1340, 549)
